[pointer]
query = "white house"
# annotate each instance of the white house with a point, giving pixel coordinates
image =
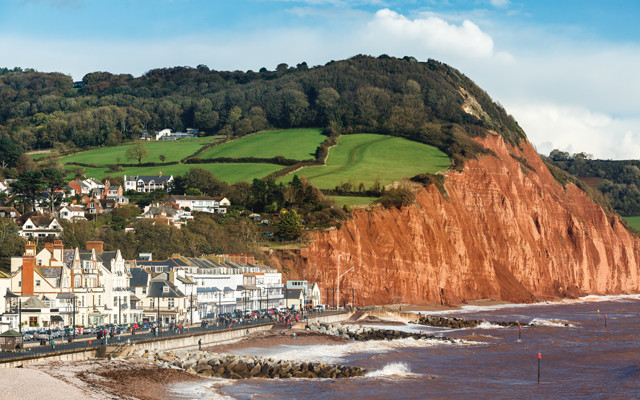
(201, 203)
(145, 183)
(71, 213)
(38, 226)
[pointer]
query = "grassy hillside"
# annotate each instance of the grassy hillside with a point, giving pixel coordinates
(230, 173)
(296, 144)
(634, 222)
(363, 158)
(172, 150)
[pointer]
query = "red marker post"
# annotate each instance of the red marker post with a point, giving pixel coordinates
(519, 331)
(605, 320)
(539, 358)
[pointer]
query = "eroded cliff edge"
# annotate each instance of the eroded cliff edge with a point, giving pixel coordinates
(504, 232)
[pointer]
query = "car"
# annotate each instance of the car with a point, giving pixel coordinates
(319, 308)
(42, 335)
(27, 335)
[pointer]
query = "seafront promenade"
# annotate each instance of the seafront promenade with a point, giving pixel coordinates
(86, 347)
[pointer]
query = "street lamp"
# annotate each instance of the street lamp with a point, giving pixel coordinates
(338, 281)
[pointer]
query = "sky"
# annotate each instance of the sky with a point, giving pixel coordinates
(567, 70)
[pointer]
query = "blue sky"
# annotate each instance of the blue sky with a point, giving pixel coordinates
(567, 70)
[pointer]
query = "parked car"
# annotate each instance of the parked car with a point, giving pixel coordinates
(27, 335)
(42, 335)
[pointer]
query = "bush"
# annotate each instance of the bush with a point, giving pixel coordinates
(397, 197)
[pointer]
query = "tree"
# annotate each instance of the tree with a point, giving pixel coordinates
(9, 153)
(53, 180)
(290, 225)
(201, 179)
(11, 244)
(28, 187)
(137, 152)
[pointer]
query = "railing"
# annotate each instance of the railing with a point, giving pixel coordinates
(84, 342)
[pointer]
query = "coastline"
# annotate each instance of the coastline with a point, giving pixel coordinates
(140, 378)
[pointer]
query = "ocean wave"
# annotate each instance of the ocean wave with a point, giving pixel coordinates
(333, 354)
(398, 369)
(468, 309)
(558, 323)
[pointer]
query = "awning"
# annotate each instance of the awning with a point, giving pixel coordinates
(66, 296)
(56, 318)
(10, 294)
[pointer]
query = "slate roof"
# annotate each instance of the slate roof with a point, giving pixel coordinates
(67, 257)
(106, 257)
(156, 289)
(149, 178)
(292, 293)
(51, 272)
(139, 277)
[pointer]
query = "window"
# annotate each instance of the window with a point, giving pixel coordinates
(165, 289)
(37, 282)
(33, 321)
(144, 290)
(99, 300)
(19, 283)
(171, 303)
(152, 303)
(115, 302)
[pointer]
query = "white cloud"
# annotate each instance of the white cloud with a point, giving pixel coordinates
(500, 3)
(429, 36)
(577, 129)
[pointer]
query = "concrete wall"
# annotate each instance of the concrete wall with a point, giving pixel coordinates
(76, 355)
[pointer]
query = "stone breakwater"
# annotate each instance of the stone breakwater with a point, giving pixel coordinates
(365, 333)
(459, 323)
(231, 366)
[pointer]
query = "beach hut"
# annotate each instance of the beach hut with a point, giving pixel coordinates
(11, 340)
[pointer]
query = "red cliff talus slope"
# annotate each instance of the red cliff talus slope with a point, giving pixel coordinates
(505, 232)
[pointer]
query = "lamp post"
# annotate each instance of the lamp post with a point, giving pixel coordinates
(20, 314)
(338, 281)
(119, 309)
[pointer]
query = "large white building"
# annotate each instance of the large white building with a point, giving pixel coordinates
(146, 183)
(201, 203)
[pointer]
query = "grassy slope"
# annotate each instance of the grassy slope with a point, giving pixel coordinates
(365, 157)
(173, 151)
(230, 173)
(634, 222)
(352, 200)
(297, 144)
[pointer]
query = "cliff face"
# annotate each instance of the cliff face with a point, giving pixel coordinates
(505, 232)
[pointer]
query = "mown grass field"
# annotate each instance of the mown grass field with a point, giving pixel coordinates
(634, 222)
(363, 158)
(230, 173)
(296, 144)
(352, 200)
(172, 150)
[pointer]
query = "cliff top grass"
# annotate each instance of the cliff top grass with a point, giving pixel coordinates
(172, 150)
(230, 173)
(296, 144)
(367, 158)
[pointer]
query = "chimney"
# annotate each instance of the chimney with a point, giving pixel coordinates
(49, 247)
(97, 245)
(58, 250)
(28, 266)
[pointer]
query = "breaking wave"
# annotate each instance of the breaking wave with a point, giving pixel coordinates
(398, 369)
(558, 323)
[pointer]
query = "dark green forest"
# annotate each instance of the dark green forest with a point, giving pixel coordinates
(421, 101)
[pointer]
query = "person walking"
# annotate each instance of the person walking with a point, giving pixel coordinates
(200, 344)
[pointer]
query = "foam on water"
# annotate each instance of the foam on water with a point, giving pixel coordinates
(199, 390)
(392, 370)
(333, 354)
(551, 322)
(468, 309)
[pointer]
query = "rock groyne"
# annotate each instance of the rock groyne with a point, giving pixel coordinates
(231, 366)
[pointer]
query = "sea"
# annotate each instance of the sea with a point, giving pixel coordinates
(582, 355)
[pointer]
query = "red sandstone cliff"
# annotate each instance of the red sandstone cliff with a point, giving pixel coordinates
(503, 233)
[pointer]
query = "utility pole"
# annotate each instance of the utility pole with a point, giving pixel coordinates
(119, 309)
(20, 314)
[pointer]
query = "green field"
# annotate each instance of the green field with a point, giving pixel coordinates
(363, 158)
(352, 200)
(296, 144)
(230, 173)
(172, 150)
(634, 222)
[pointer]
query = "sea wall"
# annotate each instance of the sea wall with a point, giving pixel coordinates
(504, 228)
